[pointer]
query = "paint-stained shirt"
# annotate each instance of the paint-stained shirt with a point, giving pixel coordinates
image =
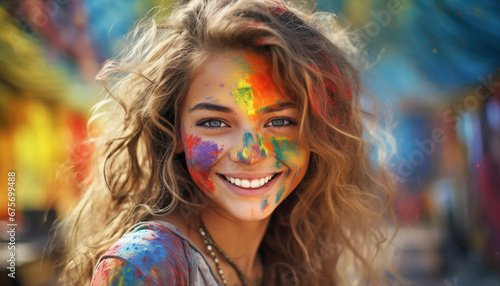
(153, 253)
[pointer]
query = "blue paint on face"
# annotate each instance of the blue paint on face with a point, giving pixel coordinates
(252, 149)
(264, 204)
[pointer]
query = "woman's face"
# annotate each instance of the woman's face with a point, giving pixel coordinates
(240, 136)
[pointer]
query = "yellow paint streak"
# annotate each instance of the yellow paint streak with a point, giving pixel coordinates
(244, 96)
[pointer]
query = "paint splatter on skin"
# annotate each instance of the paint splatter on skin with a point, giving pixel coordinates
(264, 204)
(252, 150)
(244, 96)
(255, 121)
(284, 149)
(282, 190)
(252, 94)
(279, 194)
(201, 155)
(253, 91)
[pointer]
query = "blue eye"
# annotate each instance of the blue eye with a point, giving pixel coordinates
(212, 123)
(279, 122)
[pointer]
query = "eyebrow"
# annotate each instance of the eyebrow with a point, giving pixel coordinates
(215, 107)
(210, 106)
(276, 107)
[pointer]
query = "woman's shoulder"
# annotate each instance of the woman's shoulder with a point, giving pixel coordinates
(148, 238)
(151, 252)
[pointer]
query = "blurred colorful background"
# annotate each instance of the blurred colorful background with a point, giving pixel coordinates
(434, 64)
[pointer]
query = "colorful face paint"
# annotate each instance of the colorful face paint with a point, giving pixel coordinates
(252, 150)
(264, 204)
(200, 156)
(253, 89)
(242, 146)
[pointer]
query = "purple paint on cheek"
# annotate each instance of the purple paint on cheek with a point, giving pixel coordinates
(200, 156)
(204, 155)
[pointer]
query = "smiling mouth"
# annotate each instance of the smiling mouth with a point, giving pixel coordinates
(249, 184)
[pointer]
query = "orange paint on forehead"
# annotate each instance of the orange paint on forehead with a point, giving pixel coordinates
(265, 92)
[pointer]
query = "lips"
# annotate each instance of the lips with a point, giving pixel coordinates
(248, 183)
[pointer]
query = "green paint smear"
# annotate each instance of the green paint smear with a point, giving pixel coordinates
(279, 194)
(244, 95)
(294, 175)
(283, 148)
(243, 63)
(263, 109)
(261, 147)
(248, 144)
(278, 165)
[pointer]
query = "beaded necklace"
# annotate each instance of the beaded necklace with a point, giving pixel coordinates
(210, 244)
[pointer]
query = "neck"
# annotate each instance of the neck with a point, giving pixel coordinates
(240, 240)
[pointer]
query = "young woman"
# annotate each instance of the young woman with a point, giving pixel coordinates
(232, 153)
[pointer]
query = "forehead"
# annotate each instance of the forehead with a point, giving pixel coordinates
(235, 76)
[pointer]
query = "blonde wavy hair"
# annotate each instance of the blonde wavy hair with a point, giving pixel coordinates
(332, 230)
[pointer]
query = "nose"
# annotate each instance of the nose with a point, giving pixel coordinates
(250, 151)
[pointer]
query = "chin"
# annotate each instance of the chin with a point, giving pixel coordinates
(250, 213)
(246, 210)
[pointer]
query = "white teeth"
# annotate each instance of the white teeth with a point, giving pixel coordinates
(268, 178)
(256, 183)
(245, 183)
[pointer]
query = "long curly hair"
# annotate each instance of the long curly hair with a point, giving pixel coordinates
(333, 229)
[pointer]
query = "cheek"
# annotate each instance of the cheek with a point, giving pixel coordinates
(200, 157)
(287, 151)
(296, 159)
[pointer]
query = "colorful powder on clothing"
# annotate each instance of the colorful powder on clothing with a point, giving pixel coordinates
(149, 254)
